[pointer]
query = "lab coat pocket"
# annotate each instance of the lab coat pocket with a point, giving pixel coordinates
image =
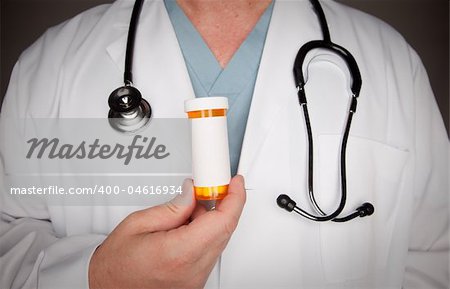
(356, 249)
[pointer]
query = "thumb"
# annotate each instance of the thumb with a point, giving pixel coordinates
(167, 216)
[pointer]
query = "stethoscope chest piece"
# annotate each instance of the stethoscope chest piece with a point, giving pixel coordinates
(129, 111)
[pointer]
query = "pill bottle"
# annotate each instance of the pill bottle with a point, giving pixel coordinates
(210, 153)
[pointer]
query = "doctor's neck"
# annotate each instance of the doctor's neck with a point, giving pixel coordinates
(224, 24)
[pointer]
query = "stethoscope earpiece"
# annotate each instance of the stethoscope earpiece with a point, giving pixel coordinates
(366, 209)
(284, 202)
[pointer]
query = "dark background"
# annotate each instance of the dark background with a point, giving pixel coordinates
(424, 24)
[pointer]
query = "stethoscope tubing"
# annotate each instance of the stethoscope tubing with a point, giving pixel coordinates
(131, 39)
(283, 200)
(128, 100)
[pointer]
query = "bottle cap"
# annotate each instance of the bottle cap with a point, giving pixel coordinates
(206, 103)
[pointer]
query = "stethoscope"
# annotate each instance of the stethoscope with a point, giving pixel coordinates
(129, 112)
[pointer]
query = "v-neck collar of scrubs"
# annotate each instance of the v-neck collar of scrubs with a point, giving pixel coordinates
(236, 81)
(209, 77)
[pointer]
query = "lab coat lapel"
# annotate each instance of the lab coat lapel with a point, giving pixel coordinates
(293, 23)
(159, 69)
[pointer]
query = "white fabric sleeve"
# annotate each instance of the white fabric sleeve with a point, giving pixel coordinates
(428, 256)
(31, 253)
(32, 257)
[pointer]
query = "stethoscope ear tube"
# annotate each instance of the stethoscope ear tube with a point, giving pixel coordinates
(300, 82)
(129, 111)
(129, 56)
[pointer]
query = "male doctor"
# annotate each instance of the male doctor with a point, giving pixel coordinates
(397, 153)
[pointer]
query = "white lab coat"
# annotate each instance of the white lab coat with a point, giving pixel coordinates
(397, 153)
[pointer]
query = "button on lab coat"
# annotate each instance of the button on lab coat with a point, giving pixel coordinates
(397, 152)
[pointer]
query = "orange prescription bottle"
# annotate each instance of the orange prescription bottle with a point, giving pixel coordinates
(210, 152)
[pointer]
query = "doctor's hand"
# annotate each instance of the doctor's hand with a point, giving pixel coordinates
(161, 248)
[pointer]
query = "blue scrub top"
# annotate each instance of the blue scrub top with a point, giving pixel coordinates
(236, 81)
